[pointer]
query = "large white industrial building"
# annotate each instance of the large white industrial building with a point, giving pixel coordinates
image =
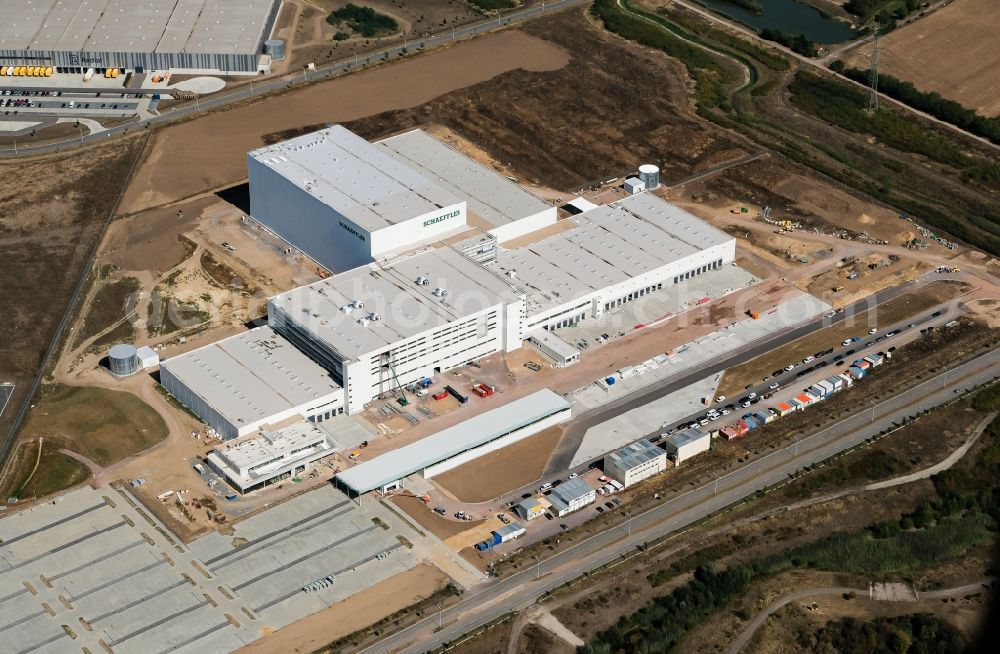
(369, 331)
(251, 380)
(73, 35)
(345, 202)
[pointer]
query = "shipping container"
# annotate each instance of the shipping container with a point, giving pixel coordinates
(857, 372)
(510, 532)
(784, 408)
(804, 399)
(440, 396)
(848, 380)
(482, 390)
(861, 363)
(742, 427)
(617, 485)
(764, 417)
(874, 359)
(455, 394)
(729, 432)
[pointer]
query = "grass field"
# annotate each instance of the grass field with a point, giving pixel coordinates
(55, 471)
(104, 426)
(49, 220)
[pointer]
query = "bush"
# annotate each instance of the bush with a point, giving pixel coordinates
(796, 42)
(341, 36)
(364, 20)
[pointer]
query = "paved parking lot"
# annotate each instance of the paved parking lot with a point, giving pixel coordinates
(95, 570)
(636, 423)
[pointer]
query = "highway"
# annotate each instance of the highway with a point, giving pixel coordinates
(517, 591)
(306, 76)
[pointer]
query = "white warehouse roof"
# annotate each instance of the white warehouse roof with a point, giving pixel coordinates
(356, 178)
(609, 245)
(193, 26)
(390, 290)
(490, 194)
(251, 376)
(472, 433)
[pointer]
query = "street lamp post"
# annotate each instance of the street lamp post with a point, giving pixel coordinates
(716, 491)
(873, 410)
(538, 568)
(440, 609)
(629, 522)
(15, 146)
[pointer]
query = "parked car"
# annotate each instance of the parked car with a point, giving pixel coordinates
(439, 510)
(807, 360)
(564, 526)
(774, 386)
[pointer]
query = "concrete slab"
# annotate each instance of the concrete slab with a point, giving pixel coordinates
(635, 424)
(143, 592)
(632, 425)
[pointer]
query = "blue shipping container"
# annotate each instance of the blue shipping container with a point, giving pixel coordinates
(751, 422)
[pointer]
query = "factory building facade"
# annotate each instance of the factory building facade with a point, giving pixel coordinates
(73, 35)
(379, 326)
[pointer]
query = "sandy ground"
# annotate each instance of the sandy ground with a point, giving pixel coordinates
(219, 141)
(953, 51)
(443, 528)
(498, 472)
(356, 612)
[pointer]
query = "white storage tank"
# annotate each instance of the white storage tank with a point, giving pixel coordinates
(275, 48)
(650, 176)
(123, 360)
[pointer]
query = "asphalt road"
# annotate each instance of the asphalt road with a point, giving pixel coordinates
(517, 591)
(568, 445)
(306, 76)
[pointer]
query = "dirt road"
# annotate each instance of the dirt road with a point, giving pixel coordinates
(741, 641)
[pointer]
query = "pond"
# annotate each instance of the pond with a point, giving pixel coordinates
(788, 16)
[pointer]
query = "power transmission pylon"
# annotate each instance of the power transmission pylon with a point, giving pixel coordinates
(873, 73)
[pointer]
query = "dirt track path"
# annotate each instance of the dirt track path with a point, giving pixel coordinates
(741, 641)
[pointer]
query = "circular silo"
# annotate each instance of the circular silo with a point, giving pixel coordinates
(275, 48)
(650, 176)
(123, 360)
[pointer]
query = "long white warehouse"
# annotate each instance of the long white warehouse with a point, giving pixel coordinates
(450, 448)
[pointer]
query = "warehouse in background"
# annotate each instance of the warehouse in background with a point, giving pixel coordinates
(73, 36)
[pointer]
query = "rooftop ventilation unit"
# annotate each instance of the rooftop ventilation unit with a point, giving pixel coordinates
(422, 281)
(357, 304)
(374, 317)
(347, 308)
(439, 292)
(363, 322)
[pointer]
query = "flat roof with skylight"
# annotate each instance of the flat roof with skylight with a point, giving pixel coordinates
(250, 377)
(355, 178)
(402, 307)
(490, 194)
(169, 26)
(609, 245)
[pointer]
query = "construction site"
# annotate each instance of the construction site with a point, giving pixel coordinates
(466, 317)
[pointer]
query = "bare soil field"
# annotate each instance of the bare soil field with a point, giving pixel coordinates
(50, 215)
(219, 141)
(313, 632)
(953, 51)
(554, 127)
(498, 472)
(443, 528)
